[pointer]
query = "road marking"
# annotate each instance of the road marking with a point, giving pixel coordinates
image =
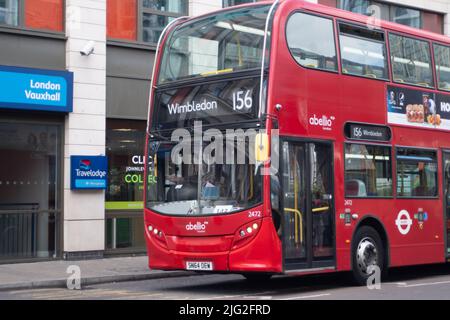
(308, 297)
(237, 296)
(405, 285)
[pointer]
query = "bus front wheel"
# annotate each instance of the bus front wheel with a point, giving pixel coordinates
(367, 255)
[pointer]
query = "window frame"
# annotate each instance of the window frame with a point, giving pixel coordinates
(333, 20)
(393, 6)
(446, 45)
(432, 62)
(386, 50)
(141, 10)
(226, 3)
(365, 143)
(22, 29)
(436, 151)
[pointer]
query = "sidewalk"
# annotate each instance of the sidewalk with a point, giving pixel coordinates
(54, 274)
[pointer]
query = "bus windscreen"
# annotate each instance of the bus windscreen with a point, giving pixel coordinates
(224, 43)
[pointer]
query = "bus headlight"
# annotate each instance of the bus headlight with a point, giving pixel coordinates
(245, 234)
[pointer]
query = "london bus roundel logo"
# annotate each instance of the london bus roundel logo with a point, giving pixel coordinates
(404, 222)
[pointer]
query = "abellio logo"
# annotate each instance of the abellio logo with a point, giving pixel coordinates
(199, 227)
(325, 122)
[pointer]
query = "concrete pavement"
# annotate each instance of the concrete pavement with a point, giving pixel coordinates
(54, 274)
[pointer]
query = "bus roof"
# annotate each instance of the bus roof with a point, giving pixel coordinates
(343, 14)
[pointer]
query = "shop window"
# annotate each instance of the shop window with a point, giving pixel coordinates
(9, 12)
(44, 14)
(125, 140)
(122, 19)
(230, 3)
(368, 171)
(30, 190)
(313, 50)
(411, 61)
(156, 14)
(442, 60)
(363, 52)
(417, 175)
(125, 233)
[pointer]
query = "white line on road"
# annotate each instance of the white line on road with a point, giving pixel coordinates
(404, 285)
(308, 297)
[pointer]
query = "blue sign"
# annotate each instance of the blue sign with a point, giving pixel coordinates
(35, 89)
(88, 172)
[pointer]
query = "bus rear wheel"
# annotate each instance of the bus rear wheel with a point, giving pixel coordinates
(367, 255)
(257, 277)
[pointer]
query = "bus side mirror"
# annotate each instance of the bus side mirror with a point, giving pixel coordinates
(262, 147)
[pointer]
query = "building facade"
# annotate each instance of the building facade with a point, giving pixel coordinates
(75, 78)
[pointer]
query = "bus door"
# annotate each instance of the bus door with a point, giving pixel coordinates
(447, 197)
(308, 205)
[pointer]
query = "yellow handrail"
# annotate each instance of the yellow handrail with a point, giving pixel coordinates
(320, 209)
(300, 217)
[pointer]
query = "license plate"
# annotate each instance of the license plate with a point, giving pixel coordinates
(199, 266)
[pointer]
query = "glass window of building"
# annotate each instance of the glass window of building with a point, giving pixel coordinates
(313, 50)
(230, 3)
(411, 61)
(156, 14)
(442, 60)
(9, 12)
(368, 171)
(406, 16)
(399, 14)
(125, 140)
(363, 52)
(30, 184)
(417, 174)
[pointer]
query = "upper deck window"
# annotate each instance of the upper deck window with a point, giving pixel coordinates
(411, 61)
(442, 60)
(363, 52)
(223, 43)
(311, 41)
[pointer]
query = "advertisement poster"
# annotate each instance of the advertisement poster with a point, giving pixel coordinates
(418, 108)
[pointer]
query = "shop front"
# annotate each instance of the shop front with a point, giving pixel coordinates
(33, 104)
(125, 140)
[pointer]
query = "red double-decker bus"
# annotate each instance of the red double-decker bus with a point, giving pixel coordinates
(356, 115)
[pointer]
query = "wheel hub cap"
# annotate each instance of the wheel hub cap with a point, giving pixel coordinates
(366, 255)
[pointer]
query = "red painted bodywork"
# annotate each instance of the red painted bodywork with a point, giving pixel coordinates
(303, 93)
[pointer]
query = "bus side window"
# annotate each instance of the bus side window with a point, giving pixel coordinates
(442, 60)
(312, 49)
(417, 173)
(363, 52)
(411, 61)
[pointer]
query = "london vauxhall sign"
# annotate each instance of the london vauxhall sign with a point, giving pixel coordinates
(36, 89)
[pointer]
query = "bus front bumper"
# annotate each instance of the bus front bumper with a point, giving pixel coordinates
(261, 254)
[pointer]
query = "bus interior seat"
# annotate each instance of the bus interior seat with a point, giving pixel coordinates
(355, 188)
(371, 75)
(399, 80)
